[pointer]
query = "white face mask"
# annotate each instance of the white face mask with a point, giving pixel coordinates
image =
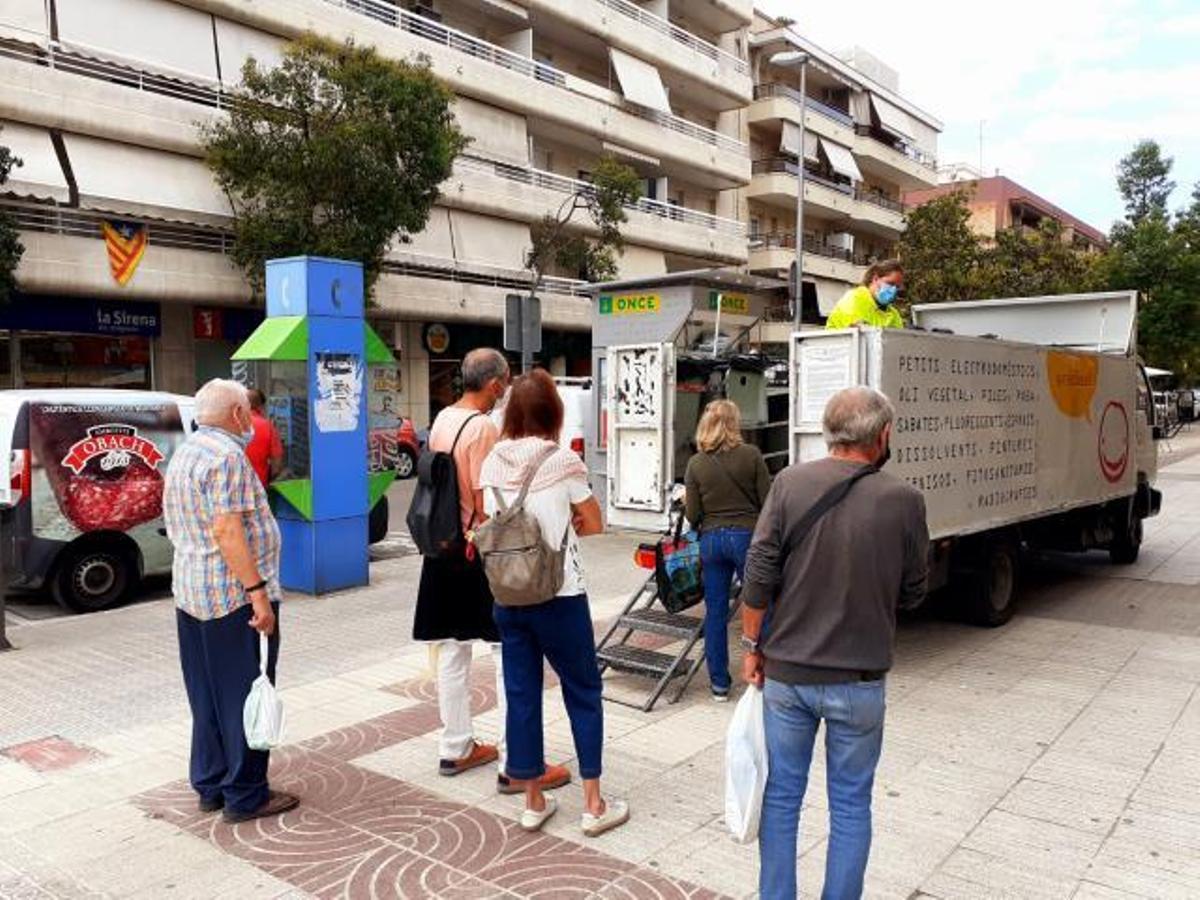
(247, 435)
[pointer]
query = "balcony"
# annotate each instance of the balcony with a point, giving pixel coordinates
(586, 106)
(775, 102)
(776, 252)
(527, 193)
(894, 160)
(695, 69)
(775, 181)
(771, 90)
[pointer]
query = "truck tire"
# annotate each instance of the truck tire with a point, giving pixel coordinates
(377, 522)
(90, 576)
(992, 587)
(1126, 546)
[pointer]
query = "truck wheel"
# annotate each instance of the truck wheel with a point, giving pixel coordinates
(1124, 549)
(377, 522)
(91, 576)
(993, 587)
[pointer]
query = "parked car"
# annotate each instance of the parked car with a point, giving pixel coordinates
(81, 490)
(410, 450)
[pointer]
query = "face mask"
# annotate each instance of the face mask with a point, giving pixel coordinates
(502, 400)
(887, 455)
(245, 437)
(887, 293)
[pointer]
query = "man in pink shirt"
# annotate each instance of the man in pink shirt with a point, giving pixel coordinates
(454, 602)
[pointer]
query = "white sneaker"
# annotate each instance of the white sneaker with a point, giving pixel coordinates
(532, 820)
(616, 813)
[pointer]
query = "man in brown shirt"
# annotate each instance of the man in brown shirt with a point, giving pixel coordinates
(827, 590)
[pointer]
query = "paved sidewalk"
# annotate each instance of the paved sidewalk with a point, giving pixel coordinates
(1056, 757)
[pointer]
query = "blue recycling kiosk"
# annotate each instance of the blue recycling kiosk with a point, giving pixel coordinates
(310, 358)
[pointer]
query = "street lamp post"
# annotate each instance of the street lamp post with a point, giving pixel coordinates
(796, 59)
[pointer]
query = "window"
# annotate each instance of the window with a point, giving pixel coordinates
(73, 360)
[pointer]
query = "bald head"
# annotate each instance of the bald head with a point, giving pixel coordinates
(855, 419)
(223, 404)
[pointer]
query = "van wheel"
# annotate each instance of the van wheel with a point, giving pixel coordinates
(1126, 546)
(377, 522)
(406, 464)
(92, 577)
(992, 587)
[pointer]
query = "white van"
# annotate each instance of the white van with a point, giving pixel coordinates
(81, 486)
(576, 394)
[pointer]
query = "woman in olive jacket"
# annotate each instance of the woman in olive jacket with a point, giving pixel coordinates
(727, 482)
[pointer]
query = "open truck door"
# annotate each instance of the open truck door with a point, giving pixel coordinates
(641, 409)
(822, 363)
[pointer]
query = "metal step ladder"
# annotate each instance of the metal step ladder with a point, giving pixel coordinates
(684, 630)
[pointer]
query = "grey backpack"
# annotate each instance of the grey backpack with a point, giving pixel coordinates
(521, 568)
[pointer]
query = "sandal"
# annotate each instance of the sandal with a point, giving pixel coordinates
(616, 814)
(532, 820)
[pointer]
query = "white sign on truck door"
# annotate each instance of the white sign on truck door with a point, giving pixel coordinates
(641, 405)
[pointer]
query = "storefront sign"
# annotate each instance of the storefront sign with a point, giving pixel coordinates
(437, 338)
(217, 323)
(73, 315)
(737, 304)
(629, 304)
(206, 323)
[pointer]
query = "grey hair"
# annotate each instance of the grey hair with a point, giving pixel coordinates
(482, 365)
(855, 417)
(216, 398)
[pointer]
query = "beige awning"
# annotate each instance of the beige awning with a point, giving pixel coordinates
(41, 176)
(24, 20)
(640, 81)
(495, 133)
(841, 160)
(131, 180)
(789, 141)
(829, 292)
(892, 118)
(236, 43)
(487, 241)
(431, 246)
(162, 36)
(640, 262)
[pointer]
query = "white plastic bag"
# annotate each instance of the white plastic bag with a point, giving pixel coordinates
(745, 767)
(262, 716)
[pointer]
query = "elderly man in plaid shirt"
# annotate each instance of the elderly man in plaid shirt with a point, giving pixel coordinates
(226, 585)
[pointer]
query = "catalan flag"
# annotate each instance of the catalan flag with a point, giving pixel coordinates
(126, 244)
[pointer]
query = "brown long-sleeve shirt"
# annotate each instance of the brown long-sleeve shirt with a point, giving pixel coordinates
(833, 598)
(726, 489)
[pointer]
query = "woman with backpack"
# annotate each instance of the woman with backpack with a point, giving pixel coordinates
(727, 482)
(531, 484)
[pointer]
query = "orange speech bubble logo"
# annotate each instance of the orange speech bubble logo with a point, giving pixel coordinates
(1072, 382)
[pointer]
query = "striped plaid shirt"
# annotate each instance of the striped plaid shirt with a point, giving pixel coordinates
(209, 476)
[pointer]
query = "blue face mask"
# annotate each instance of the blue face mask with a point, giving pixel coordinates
(887, 294)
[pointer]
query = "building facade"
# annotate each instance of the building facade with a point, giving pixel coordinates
(863, 146)
(998, 203)
(103, 101)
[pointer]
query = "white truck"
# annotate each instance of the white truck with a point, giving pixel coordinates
(1025, 422)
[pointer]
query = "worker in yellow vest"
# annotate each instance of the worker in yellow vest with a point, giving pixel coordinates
(872, 302)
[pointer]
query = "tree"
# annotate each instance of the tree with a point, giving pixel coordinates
(1144, 183)
(556, 244)
(334, 153)
(1037, 262)
(11, 248)
(940, 252)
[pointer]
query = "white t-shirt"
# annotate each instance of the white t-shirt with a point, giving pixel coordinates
(551, 506)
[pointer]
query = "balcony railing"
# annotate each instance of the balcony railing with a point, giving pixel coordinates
(812, 244)
(775, 89)
(564, 185)
(387, 14)
(869, 196)
(782, 165)
(915, 154)
(47, 218)
(677, 34)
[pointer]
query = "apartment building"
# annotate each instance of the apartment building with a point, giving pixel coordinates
(998, 203)
(863, 146)
(103, 100)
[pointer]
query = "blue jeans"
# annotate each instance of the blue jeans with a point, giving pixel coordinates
(853, 715)
(560, 632)
(722, 552)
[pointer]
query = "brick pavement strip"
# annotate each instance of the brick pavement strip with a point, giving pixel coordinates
(1057, 757)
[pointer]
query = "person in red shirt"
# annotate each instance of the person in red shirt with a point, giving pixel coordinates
(265, 449)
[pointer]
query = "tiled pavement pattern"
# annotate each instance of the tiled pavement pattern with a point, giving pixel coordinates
(1057, 757)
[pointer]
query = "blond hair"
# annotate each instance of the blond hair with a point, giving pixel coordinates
(720, 427)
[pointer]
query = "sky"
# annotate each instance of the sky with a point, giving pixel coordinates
(1064, 88)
